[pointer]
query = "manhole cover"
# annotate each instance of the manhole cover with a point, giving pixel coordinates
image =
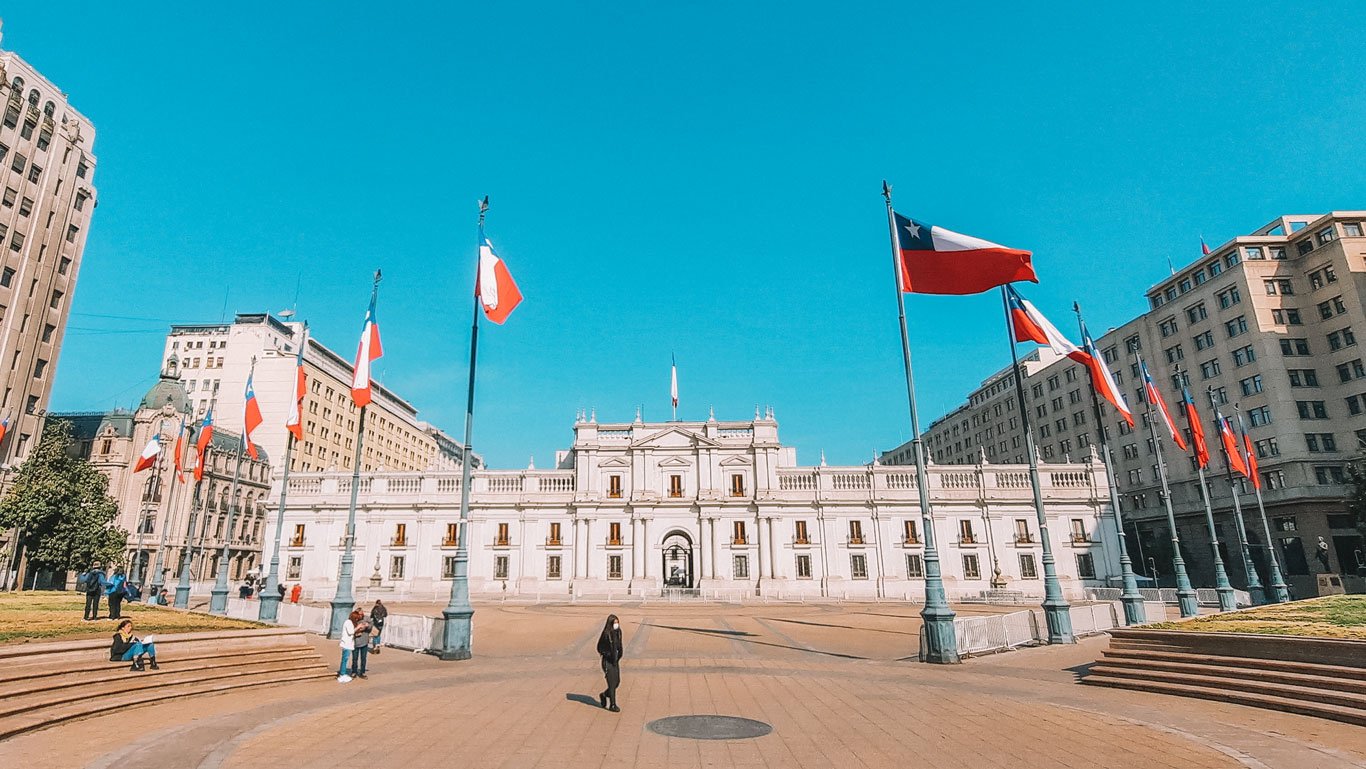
(709, 727)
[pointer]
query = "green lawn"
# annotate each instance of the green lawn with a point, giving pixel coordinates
(1338, 616)
(50, 615)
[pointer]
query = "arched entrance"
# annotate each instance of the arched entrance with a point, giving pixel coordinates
(676, 551)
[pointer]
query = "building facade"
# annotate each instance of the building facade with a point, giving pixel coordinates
(1267, 323)
(721, 508)
(215, 359)
(163, 515)
(46, 178)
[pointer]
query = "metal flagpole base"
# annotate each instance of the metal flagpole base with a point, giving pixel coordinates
(1258, 594)
(457, 634)
(218, 600)
(182, 596)
(270, 604)
(1279, 591)
(341, 609)
(939, 642)
(1227, 602)
(1059, 620)
(1187, 601)
(1134, 613)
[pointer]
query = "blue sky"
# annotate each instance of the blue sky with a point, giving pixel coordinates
(691, 178)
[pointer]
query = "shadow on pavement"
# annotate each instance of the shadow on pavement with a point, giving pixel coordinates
(584, 699)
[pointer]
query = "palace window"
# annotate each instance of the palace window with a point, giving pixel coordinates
(552, 567)
(909, 534)
(400, 535)
(614, 486)
(396, 564)
(972, 568)
(554, 538)
(800, 535)
(614, 533)
(298, 539)
(502, 539)
(614, 567)
(500, 567)
(452, 537)
(675, 486)
(738, 533)
(1086, 566)
(965, 535)
(448, 567)
(915, 565)
(1079, 531)
(295, 567)
(803, 567)
(1022, 535)
(858, 566)
(856, 532)
(737, 485)
(1028, 568)
(740, 566)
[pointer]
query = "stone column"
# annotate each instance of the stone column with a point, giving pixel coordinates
(713, 545)
(645, 548)
(574, 542)
(772, 552)
(588, 548)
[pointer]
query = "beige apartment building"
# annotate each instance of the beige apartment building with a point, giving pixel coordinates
(1266, 322)
(48, 195)
(214, 361)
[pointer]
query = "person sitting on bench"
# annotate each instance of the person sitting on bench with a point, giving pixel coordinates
(127, 647)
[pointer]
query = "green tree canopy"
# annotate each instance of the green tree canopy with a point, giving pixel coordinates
(62, 508)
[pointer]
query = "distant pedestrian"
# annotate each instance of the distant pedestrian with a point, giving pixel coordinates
(378, 615)
(610, 648)
(244, 592)
(162, 598)
(93, 584)
(114, 590)
(360, 656)
(281, 587)
(128, 647)
(347, 642)
(295, 592)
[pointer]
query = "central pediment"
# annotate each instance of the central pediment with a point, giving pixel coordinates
(674, 438)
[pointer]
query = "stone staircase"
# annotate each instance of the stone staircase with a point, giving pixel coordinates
(45, 684)
(1319, 677)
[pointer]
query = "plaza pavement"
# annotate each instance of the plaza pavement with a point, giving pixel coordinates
(834, 681)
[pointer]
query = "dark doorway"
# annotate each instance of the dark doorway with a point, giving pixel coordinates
(676, 553)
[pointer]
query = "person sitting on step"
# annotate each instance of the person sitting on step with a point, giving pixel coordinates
(128, 647)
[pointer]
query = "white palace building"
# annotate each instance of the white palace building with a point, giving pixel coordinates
(719, 509)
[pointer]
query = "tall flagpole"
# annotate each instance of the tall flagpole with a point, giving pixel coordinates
(940, 642)
(1253, 580)
(1221, 583)
(343, 601)
(1185, 594)
(1279, 592)
(158, 578)
(135, 571)
(218, 597)
(182, 590)
(458, 616)
(270, 594)
(1055, 609)
(1132, 600)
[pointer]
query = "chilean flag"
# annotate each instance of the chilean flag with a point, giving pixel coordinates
(1155, 398)
(251, 418)
(294, 423)
(179, 450)
(368, 351)
(939, 261)
(1197, 431)
(1204, 249)
(1235, 457)
(149, 455)
(201, 444)
(1031, 326)
(1252, 473)
(494, 285)
(4, 428)
(1101, 378)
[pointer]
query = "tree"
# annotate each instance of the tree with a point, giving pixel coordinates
(61, 506)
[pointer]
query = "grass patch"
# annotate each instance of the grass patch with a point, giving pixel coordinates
(50, 616)
(1338, 616)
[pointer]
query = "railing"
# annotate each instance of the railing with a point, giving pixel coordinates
(504, 484)
(305, 486)
(739, 540)
(405, 485)
(1204, 596)
(502, 542)
(448, 485)
(614, 542)
(299, 542)
(805, 481)
(967, 539)
(901, 481)
(734, 432)
(1069, 479)
(553, 542)
(910, 539)
(447, 542)
(1080, 538)
(854, 542)
(801, 541)
(1024, 539)
(850, 482)
(960, 480)
(1012, 480)
(556, 483)
(398, 542)
(344, 485)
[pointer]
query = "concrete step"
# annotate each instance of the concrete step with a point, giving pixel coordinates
(1350, 715)
(15, 656)
(93, 663)
(167, 678)
(1335, 672)
(1247, 685)
(117, 671)
(30, 720)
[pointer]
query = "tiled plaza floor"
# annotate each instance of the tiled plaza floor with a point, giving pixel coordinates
(833, 681)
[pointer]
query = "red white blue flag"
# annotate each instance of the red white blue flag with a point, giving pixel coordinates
(1101, 379)
(251, 418)
(1155, 397)
(4, 428)
(1231, 448)
(1030, 325)
(939, 261)
(180, 451)
(368, 351)
(201, 444)
(149, 454)
(1197, 430)
(294, 423)
(1204, 249)
(494, 286)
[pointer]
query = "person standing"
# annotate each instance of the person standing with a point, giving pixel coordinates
(377, 616)
(610, 649)
(94, 586)
(361, 655)
(114, 591)
(295, 592)
(347, 642)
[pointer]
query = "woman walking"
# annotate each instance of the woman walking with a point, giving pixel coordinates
(610, 649)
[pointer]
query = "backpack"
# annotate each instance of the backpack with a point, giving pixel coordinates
(130, 591)
(82, 582)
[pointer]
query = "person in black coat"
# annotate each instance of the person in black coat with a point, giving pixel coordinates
(610, 649)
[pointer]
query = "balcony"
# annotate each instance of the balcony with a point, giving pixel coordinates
(502, 542)
(398, 542)
(1024, 539)
(296, 542)
(968, 539)
(739, 540)
(614, 493)
(801, 541)
(615, 542)
(910, 539)
(854, 542)
(554, 542)
(1081, 538)
(448, 542)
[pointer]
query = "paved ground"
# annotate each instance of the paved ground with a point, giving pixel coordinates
(833, 681)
